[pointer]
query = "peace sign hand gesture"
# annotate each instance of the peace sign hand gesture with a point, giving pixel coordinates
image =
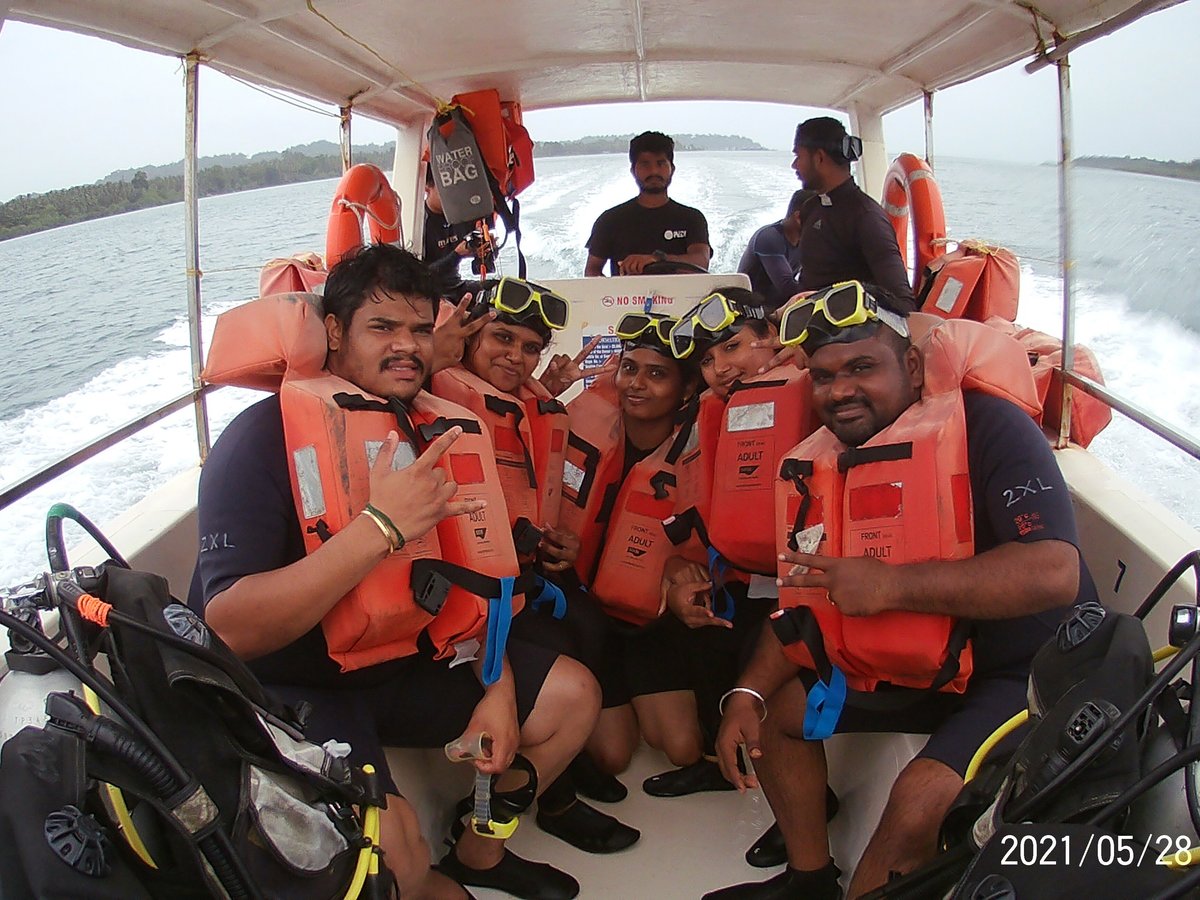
(563, 371)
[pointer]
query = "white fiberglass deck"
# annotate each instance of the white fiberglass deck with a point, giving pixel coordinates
(689, 845)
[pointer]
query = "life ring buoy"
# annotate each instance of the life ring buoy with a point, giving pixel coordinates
(909, 190)
(363, 193)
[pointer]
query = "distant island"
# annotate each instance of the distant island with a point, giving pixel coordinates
(1165, 168)
(619, 143)
(145, 186)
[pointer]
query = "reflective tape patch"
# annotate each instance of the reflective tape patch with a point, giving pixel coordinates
(573, 475)
(693, 440)
(405, 455)
(949, 295)
(752, 417)
(308, 477)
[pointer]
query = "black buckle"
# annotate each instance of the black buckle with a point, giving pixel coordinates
(431, 592)
(441, 425)
(793, 469)
(786, 628)
(346, 823)
(526, 537)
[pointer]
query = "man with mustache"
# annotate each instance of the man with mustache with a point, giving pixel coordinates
(650, 228)
(867, 378)
(271, 596)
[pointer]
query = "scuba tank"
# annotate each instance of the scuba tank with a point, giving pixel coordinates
(32, 675)
(1091, 769)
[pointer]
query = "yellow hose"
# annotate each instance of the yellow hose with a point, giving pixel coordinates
(1165, 653)
(1182, 859)
(368, 859)
(996, 737)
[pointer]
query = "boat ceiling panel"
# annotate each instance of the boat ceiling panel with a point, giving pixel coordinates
(876, 54)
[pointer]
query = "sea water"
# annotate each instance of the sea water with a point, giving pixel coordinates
(93, 316)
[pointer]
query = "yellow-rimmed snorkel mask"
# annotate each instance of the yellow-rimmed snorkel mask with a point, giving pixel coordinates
(653, 330)
(834, 315)
(707, 320)
(524, 303)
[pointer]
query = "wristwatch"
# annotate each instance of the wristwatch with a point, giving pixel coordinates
(659, 255)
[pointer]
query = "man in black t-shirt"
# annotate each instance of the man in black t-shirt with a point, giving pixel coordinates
(1017, 586)
(846, 235)
(651, 227)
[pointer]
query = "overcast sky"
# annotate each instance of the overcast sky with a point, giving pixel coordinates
(75, 109)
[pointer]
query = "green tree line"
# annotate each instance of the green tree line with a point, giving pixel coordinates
(37, 212)
(120, 193)
(1144, 166)
(619, 143)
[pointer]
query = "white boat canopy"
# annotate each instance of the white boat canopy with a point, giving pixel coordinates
(389, 60)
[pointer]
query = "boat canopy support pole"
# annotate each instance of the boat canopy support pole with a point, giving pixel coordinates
(408, 180)
(1065, 243)
(929, 128)
(344, 115)
(868, 125)
(191, 208)
(1108, 26)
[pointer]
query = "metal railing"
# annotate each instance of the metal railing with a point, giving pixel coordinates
(1131, 410)
(48, 473)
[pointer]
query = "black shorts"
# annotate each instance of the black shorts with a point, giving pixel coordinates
(640, 661)
(957, 724)
(581, 633)
(715, 656)
(426, 704)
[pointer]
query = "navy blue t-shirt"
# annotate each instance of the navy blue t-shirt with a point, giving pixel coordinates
(248, 525)
(1019, 494)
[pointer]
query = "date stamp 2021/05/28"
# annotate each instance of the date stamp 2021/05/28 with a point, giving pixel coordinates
(1097, 849)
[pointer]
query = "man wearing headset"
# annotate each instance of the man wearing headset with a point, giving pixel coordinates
(847, 235)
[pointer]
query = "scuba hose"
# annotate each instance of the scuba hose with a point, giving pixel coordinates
(943, 872)
(159, 767)
(216, 846)
(1098, 740)
(116, 801)
(989, 745)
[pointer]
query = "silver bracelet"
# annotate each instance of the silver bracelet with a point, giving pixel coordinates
(743, 690)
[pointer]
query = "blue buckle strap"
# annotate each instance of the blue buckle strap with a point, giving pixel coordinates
(500, 616)
(550, 591)
(717, 567)
(825, 703)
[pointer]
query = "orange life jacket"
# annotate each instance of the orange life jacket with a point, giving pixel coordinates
(1089, 415)
(502, 137)
(764, 417)
(904, 496)
(623, 546)
(529, 433)
(976, 281)
(695, 490)
(302, 272)
(449, 583)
